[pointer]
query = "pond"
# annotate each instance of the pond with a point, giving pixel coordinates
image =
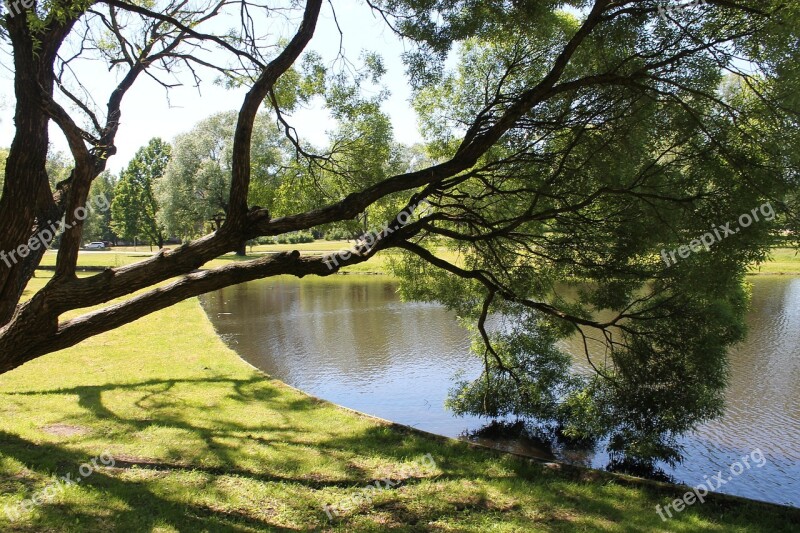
(350, 340)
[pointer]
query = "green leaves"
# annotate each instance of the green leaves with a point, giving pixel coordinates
(195, 187)
(643, 145)
(135, 208)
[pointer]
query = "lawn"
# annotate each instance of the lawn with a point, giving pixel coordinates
(126, 255)
(201, 441)
(783, 261)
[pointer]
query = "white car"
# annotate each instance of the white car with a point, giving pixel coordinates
(95, 246)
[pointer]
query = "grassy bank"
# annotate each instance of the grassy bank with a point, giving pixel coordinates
(127, 255)
(783, 261)
(203, 442)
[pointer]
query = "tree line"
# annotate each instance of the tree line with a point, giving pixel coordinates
(175, 192)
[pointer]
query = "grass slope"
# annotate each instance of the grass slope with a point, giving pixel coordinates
(784, 261)
(203, 442)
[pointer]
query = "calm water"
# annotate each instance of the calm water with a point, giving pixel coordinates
(351, 341)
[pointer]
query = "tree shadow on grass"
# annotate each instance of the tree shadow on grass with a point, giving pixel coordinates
(132, 504)
(136, 501)
(140, 505)
(161, 404)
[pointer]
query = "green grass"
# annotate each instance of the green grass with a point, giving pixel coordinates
(126, 255)
(784, 261)
(99, 259)
(203, 442)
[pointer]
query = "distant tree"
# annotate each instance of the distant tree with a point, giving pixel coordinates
(194, 191)
(362, 149)
(58, 166)
(98, 224)
(3, 157)
(135, 209)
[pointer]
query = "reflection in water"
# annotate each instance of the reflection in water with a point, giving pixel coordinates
(351, 341)
(762, 402)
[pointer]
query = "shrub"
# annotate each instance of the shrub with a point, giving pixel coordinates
(295, 237)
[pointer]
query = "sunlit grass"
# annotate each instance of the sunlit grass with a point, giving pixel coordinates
(126, 255)
(782, 261)
(203, 442)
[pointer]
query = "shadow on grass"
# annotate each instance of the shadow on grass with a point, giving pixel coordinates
(145, 507)
(277, 459)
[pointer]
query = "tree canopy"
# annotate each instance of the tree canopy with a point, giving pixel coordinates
(135, 208)
(195, 187)
(578, 155)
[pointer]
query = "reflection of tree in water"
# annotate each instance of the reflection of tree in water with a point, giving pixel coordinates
(339, 332)
(346, 327)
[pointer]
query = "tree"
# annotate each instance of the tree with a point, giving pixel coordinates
(58, 169)
(362, 151)
(194, 191)
(57, 166)
(135, 209)
(3, 157)
(98, 222)
(571, 146)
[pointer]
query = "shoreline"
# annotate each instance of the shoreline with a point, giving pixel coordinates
(552, 464)
(205, 442)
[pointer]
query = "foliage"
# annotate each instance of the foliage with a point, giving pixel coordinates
(3, 157)
(195, 186)
(572, 149)
(58, 167)
(661, 332)
(297, 237)
(213, 421)
(98, 226)
(135, 210)
(339, 234)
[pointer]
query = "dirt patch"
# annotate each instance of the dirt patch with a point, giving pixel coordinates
(65, 430)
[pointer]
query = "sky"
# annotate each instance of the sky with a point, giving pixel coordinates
(147, 112)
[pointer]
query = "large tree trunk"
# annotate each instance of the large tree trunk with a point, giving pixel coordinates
(26, 186)
(241, 249)
(33, 328)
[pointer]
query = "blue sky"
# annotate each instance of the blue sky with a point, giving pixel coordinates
(147, 113)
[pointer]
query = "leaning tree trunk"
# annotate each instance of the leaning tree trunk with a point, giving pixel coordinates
(26, 189)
